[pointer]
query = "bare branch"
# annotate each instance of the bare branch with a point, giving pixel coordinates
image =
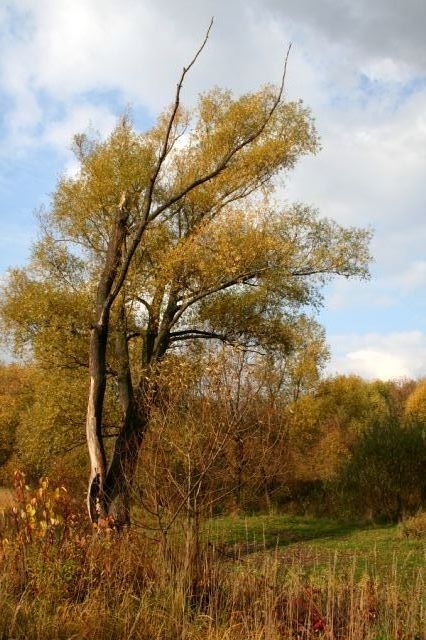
(282, 85)
(242, 278)
(220, 167)
(189, 334)
(165, 148)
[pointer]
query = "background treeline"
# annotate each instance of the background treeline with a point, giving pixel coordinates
(235, 432)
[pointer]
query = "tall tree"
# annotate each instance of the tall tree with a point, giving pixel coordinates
(169, 236)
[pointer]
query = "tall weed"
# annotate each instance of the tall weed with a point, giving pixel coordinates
(59, 579)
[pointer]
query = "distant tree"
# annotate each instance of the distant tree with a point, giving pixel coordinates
(395, 394)
(49, 440)
(326, 423)
(385, 475)
(169, 237)
(415, 405)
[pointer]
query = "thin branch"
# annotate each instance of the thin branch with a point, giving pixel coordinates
(172, 118)
(164, 152)
(220, 167)
(200, 478)
(189, 334)
(142, 301)
(242, 278)
(282, 85)
(325, 270)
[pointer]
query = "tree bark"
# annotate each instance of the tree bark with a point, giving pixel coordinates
(96, 502)
(121, 471)
(135, 416)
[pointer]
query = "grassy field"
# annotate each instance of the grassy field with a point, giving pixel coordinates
(255, 578)
(317, 541)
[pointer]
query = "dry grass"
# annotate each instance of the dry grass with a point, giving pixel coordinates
(6, 498)
(414, 527)
(127, 588)
(60, 581)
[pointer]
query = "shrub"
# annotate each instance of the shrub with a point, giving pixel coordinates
(385, 477)
(414, 527)
(42, 512)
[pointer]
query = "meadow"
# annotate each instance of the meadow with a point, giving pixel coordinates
(264, 577)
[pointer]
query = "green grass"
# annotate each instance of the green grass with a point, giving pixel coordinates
(316, 541)
(274, 530)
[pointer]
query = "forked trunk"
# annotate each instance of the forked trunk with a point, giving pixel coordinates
(111, 488)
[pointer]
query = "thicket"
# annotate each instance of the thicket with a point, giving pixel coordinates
(228, 436)
(386, 471)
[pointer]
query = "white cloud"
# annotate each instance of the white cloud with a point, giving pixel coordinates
(390, 356)
(372, 162)
(378, 364)
(79, 118)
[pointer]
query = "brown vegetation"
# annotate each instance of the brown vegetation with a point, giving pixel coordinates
(57, 582)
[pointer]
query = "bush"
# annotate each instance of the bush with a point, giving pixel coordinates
(41, 513)
(385, 477)
(414, 527)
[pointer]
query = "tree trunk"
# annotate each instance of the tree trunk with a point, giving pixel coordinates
(135, 415)
(121, 471)
(99, 335)
(95, 502)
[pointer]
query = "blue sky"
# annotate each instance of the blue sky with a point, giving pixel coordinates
(72, 64)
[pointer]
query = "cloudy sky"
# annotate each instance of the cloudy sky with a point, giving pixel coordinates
(67, 65)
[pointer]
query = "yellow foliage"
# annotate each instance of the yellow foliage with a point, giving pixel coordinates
(415, 407)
